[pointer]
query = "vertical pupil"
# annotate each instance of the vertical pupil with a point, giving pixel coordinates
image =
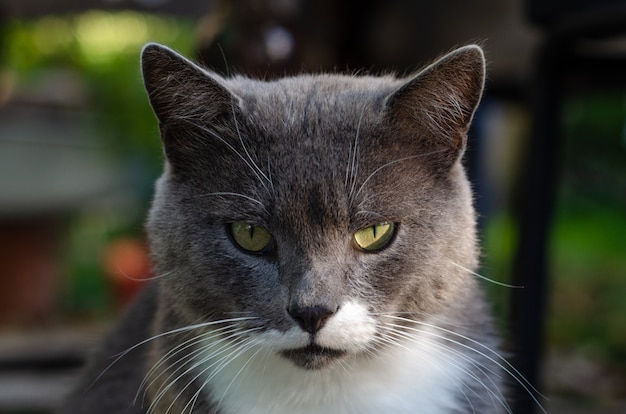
(374, 237)
(251, 231)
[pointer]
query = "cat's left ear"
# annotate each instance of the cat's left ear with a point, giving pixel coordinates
(184, 98)
(437, 105)
(180, 89)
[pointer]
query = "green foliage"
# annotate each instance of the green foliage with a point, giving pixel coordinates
(102, 50)
(587, 305)
(589, 243)
(587, 287)
(97, 55)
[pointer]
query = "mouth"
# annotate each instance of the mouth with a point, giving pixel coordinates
(313, 356)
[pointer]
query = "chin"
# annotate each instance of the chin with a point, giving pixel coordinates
(314, 357)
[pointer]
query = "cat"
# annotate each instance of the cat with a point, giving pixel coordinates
(314, 249)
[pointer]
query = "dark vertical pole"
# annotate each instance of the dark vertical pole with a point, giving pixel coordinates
(536, 204)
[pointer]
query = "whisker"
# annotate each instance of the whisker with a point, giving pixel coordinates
(390, 163)
(445, 351)
(221, 349)
(168, 384)
(171, 332)
(253, 167)
(222, 363)
(243, 145)
(246, 364)
(268, 353)
(269, 173)
(178, 349)
(352, 169)
(504, 365)
(431, 317)
(374, 195)
(495, 282)
(193, 400)
(226, 193)
(236, 333)
(142, 279)
(238, 313)
(370, 214)
(390, 340)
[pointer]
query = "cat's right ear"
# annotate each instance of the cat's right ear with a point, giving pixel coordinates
(188, 101)
(439, 102)
(181, 91)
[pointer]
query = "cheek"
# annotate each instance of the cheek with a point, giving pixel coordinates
(256, 291)
(221, 283)
(384, 277)
(405, 281)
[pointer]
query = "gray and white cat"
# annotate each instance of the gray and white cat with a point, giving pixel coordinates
(314, 245)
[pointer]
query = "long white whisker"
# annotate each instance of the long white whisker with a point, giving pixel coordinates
(391, 340)
(222, 363)
(172, 332)
(243, 145)
(226, 193)
(200, 350)
(504, 365)
(250, 346)
(431, 317)
(390, 163)
(352, 170)
(178, 349)
(495, 282)
(182, 363)
(395, 329)
(374, 195)
(192, 401)
(253, 167)
(445, 351)
(142, 279)
(221, 349)
(269, 173)
(226, 347)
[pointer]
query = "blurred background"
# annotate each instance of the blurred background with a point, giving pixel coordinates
(79, 151)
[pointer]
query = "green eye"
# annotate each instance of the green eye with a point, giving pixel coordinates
(252, 238)
(374, 237)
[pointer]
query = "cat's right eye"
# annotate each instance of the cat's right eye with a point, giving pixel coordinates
(252, 238)
(375, 237)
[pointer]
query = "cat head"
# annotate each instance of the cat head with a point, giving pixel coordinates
(313, 207)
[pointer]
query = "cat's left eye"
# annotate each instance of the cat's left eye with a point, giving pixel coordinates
(252, 238)
(375, 237)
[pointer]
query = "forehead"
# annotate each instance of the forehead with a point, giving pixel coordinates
(309, 129)
(318, 141)
(312, 120)
(313, 100)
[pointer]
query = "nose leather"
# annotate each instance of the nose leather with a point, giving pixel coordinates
(311, 318)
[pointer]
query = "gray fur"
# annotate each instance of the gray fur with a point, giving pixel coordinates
(312, 159)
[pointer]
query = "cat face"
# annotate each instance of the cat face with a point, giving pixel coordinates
(309, 211)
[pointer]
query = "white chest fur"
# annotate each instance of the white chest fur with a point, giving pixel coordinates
(413, 377)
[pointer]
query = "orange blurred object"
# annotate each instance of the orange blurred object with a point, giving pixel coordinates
(126, 263)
